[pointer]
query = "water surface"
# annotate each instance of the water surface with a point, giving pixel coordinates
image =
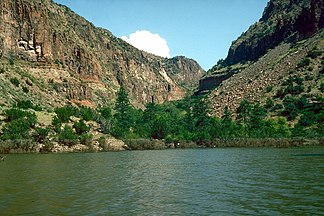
(229, 181)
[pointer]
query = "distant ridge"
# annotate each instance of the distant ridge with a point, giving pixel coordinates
(66, 59)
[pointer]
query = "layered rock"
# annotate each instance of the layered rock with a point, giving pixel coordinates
(286, 21)
(267, 54)
(51, 36)
(290, 20)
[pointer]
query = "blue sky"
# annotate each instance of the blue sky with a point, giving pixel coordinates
(198, 29)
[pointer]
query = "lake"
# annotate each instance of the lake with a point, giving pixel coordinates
(228, 181)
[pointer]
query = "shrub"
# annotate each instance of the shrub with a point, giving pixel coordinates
(64, 113)
(15, 81)
(269, 89)
(88, 114)
(16, 129)
(280, 93)
(106, 112)
(304, 62)
(321, 88)
(13, 114)
(56, 122)
(57, 62)
(56, 87)
(307, 119)
(298, 80)
(38, 108)
(2, 70)
(321, 70)
(309, 77)
(25, 104)
(289, 81)
(294, 89)
(67, 136)
(86, 139)
(291, 110)
(302, 102)
(314, 53)
(102, 142)
(81, 127)
(41, 134)
(277, 107)
(25, 89)
(269, 103)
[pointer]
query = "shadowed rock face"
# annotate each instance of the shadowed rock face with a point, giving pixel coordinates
(290, 20)
(51, 36)
(282, 21)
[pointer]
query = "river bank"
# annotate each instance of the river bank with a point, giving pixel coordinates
(112, 144)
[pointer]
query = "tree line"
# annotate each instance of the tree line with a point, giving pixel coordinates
(188, 119)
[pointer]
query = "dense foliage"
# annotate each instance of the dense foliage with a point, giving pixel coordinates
(189, 119)
(186, 120)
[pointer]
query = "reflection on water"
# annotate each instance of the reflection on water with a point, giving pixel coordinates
(236, 181)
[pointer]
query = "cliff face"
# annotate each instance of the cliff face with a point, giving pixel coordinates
(269, 53)
(85, 62)
(290, 20)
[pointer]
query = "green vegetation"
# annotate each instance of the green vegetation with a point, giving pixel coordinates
(81, 127)
(25, 89)
(185, 121)
(27, 104)
(123, 118)
(16, 132)
(303, 63)
(15, 81)
(67, 136)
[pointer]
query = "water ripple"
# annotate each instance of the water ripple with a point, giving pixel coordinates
(177, 182)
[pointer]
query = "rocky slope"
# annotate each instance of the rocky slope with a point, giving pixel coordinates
(263, 79)
(282, 20)
(59, 57)
(267, 54)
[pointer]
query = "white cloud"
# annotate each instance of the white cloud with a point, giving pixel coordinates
(149, 42)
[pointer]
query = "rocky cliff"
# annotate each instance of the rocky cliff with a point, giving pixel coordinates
(65, 58)
(269, 53)
(290, 20)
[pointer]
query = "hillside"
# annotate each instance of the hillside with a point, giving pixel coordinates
(53, 57)
(279, 57)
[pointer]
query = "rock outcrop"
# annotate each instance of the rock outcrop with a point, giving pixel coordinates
(267, 54)
(51, 37)
(289, 20)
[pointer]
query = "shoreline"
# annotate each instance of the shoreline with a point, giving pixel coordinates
(26, 146)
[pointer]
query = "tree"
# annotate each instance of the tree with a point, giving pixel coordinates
(244, 111)
(227, 123)
(106, 120)
(258, 113)
(291, 110)
(160, 126)
(122, 115)
(106, 112)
